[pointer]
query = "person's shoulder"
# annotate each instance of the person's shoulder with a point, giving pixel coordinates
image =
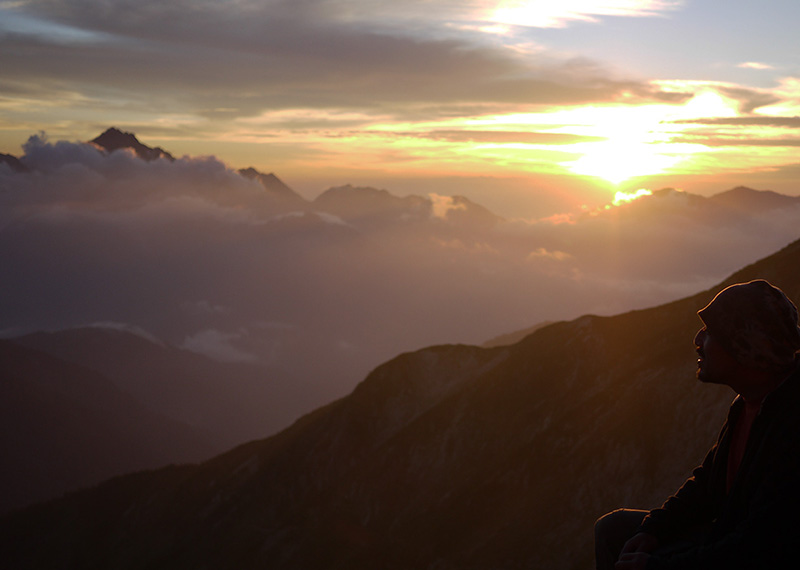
(783, 406)
(787, 394)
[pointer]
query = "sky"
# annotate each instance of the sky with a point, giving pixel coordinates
(528, 107)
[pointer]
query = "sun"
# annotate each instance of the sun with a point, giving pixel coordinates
(619, 160)
(640, 140)
(633, 143)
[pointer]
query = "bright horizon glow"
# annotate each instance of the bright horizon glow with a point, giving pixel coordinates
(581, 98)
(612, 142)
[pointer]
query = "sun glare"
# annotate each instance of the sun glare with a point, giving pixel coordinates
(633, 146)
(613, 142)
(618, 161)
(638, 140)
(625, 197)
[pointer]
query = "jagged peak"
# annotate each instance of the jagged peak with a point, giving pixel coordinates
(251, 173)
(113, 139)
(275, 186)
(13, 163)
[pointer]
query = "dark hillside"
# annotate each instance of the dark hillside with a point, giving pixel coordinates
(63, 426)
(450, 457)
(232, 402)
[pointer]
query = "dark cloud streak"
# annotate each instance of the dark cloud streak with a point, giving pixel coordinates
(250, 57)
(744, 141)
(525, 137)
(762, 121)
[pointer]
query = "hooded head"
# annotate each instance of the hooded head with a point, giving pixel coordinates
(757, 323)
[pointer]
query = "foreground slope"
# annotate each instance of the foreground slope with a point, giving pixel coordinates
(449, 457)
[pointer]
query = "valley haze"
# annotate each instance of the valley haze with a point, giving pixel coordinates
(452, 456)
(235, 265)
(384, 284)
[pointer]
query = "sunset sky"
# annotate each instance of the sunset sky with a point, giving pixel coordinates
(529, 107)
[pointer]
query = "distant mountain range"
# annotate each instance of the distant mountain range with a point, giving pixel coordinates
(251, 306)
(64, 426)
(452, 457)
(229, 401)
(127, 403)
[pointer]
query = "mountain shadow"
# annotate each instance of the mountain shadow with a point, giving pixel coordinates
(232, 402)
(82, 405)
(64, 426)
(448, 457)
(13, 163)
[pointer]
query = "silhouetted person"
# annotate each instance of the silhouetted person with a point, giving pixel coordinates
(741, 508)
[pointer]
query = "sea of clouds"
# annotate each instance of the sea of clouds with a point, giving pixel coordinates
(195, 254)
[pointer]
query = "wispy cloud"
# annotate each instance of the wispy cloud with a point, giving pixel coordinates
(761, 121)
(755, 65)
(370, 86)
(560, 14)
(219, 345)
(217, 60)
(538, 138)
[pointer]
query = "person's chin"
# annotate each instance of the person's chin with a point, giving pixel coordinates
(703, 377)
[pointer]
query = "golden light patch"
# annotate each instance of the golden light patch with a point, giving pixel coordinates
(617, 161)
(625, 197)
(542, 252)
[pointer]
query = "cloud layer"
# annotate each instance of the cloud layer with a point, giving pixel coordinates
(222, 61)
(196, 254)
(370, 90)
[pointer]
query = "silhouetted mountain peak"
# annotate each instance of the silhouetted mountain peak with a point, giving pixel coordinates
(350, 202)
(350, 193)
(113, 139)
(743, 191)
(748, 199)
(665, 192)
(275, 187)
(463, 211)
(13, 162)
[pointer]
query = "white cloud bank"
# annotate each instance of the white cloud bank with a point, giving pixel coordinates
(196, 254)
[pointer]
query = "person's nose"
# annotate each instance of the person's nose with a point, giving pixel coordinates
(698, 338)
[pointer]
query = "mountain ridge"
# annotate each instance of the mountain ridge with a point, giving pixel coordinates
(742, 197)
(369, 198)
(505, 464)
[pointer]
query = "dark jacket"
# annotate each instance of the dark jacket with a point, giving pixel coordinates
(757, 524)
